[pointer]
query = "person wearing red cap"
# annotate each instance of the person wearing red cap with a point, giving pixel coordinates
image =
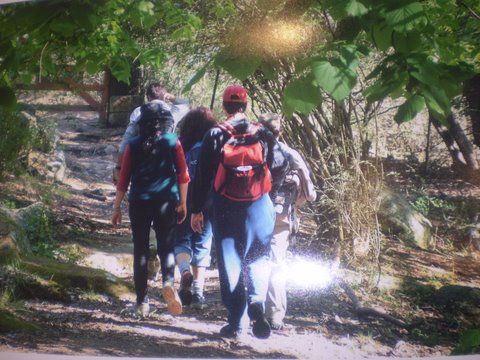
(242, 230)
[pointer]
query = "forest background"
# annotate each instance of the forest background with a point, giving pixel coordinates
(371, 91)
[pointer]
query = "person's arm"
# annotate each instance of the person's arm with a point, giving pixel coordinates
(204, 172)
(207, 165)
(130, 133)
(183, 179)
(180, 107)
(122, 186)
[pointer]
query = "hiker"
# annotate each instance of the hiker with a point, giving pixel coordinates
(192, 248)
(243, 214)
(294, 191)
(156, 93)
(154, 165)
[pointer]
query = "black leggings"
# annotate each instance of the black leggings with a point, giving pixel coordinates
(164, 218)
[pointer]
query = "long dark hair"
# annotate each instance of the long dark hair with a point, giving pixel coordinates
(154, 121)
(194, 126)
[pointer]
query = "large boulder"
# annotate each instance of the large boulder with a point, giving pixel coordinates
(398, 217)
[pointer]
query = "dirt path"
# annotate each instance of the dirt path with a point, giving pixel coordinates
(320, 324)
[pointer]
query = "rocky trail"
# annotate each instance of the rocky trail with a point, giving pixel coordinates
(320, 321)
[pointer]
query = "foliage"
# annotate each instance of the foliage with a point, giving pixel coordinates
(469, 343)
(15, 142)
(426, 203)
(39, 233)
(57, 39)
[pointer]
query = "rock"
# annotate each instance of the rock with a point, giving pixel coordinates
(398, 217)
(13, 237)
(48, 166)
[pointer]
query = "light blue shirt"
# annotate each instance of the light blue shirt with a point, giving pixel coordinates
(178, 110)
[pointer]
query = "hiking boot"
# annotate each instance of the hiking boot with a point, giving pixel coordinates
(199, 302)
(170, 296)
(142, 310)
(185, 291)
(229, 332)
(261, 327)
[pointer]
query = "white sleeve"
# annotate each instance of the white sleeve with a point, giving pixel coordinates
(132, 129)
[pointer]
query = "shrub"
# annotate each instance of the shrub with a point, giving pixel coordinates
(15, 141)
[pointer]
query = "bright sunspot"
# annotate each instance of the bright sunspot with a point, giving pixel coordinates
(308, 274)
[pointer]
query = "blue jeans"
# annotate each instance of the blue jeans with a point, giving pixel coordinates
(198, 246)
(144, 213)
(242, 233)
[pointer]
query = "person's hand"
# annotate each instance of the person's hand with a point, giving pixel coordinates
(181, 212)
(196, 222)
(116, 217)
(169, 97)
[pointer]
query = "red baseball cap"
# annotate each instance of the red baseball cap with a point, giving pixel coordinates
(235, 93)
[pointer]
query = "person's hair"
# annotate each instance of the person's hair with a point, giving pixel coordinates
(154, 121)
(272, 122)
(234, 107)
(194, 126)
(155, 91)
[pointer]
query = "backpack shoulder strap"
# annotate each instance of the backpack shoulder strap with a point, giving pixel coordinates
(228, 128)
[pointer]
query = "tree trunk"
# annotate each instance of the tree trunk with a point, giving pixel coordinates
(457, 144)
(471, 92)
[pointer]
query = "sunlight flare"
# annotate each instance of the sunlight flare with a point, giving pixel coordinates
(307, 273)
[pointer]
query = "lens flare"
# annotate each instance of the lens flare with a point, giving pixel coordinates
(274, 38)
(308, 274)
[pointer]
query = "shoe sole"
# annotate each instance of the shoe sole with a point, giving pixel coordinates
(261, 328)
(174, 305)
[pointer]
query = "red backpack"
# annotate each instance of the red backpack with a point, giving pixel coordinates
(242, 174)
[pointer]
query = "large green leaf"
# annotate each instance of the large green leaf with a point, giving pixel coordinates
(382, 36)
(409, 109)
(196, 78)
(407, 17)
(406, 42)
(301, 96)
(356, 8)
(336, 81)
(239, 67)
(154, 56)
(120, 69)
(63, 26)
(437, 102)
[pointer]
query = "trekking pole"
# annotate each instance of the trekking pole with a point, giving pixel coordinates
(214, 89)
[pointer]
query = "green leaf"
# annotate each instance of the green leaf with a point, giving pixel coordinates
(120, 69)
(356, 8)
(425, 71)
(336, 81)
(437, 102)
(92, 67)
(301, 96)
(406, 42)
(406, 18)
(63, 26)
(146, 7)
(196, 78)
(382, 36)
(154, 57)
(7, 98)
(239, 67)
(469, 343)
(269, 71)
(409, 109)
